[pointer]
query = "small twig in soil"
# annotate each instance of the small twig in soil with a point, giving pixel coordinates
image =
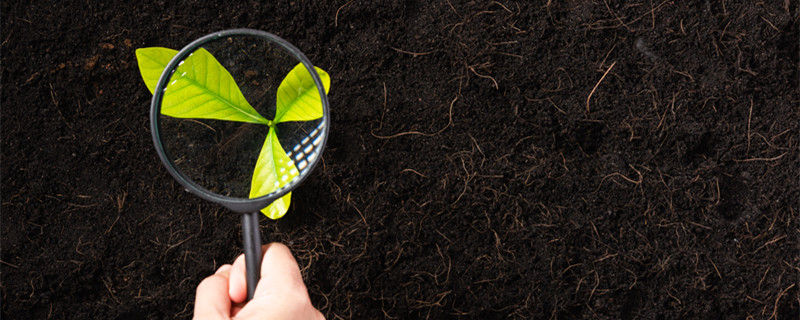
(454, 9)
(110, 292)
(9, 264)
(749, 117)
(760, 159)
(763, 277)
(500, 4)
(178, 243)
(796, 268)
(770, 144)
(770, 24)
(635, 182)
(119, 201)
(508, 54)
(598, 84)
(414, 171)
(597, 284)
(558, 87)
(449, 123)
(479, 149)
(380, 126)
(617, 17)
(548, 100)
(6, 40)
(602, 23)
(651, 13)
(113, 36)
(754, 299)
(501, 42)
(395, 260)
(357, 210)
(55, 103)
(483, 76)
(608, 54)
(739, 63)
(446, 269)
(773, 241)
(685, 74)
(715, 268)
(336, 17)
(415, 54)
(674, 297)
(202, 124)
(364, 252)
(113, 223)
(778, 299)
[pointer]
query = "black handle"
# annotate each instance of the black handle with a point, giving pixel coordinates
(251, 238)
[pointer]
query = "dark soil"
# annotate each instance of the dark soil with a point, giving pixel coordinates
(488, 159)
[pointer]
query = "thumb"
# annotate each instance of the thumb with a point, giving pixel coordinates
(212, 300)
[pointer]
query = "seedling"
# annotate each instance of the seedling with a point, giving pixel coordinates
(206, 132)
(206, 90)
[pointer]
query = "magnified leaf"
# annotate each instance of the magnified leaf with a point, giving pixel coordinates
(298, 97)
(200, 88)
(274, 169)
(278, 208)
(152, 62)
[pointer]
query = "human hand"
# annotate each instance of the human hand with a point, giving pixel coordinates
(280, 293)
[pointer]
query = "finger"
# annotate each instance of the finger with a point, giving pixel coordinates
(240, 282)
(212, 301)
(281, 293)
(237, 287)
(236, 308)
(279, 271)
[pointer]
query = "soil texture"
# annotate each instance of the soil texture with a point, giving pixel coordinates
(487, 160)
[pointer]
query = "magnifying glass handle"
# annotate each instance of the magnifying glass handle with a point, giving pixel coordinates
(251, 238)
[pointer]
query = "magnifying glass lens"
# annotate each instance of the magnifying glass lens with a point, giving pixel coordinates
(241, 116)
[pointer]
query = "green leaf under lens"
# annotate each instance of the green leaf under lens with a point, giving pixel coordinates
(200, 88)
(298, 97)
(274, 169)
(297, 100)
(278, 208)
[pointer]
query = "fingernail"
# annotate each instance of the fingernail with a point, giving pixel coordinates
(223, 268)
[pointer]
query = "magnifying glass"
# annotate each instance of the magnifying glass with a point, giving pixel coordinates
(240, 118)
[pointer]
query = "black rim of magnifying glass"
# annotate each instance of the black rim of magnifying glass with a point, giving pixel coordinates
(235, 204)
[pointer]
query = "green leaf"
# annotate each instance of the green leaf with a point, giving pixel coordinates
(278, 209)
(274, 169)
(298, 97)
(152, 62)
(200, 88)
